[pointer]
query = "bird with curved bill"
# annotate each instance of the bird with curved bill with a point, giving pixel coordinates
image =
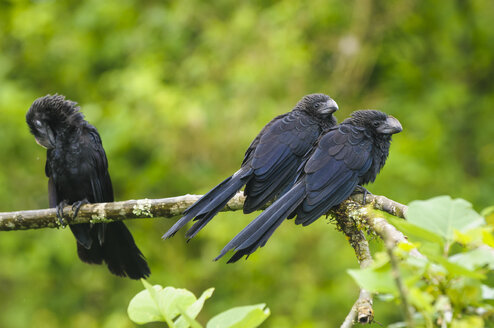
(348, 155)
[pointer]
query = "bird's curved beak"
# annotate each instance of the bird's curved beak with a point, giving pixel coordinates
(330, 107)
(51, 136)
(45, 138)
(391, 126)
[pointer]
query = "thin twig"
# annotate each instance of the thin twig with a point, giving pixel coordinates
(395, 271)
(388, 232)
(391, 237)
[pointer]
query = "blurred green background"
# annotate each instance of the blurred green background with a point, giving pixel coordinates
(178, 89)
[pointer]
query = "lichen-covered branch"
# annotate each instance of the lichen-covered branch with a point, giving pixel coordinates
(117, 211)
(365, 216)
(106, 212)
(389, 234)
(355, 236)
(362, 309)
(352, 213)
(382, 203)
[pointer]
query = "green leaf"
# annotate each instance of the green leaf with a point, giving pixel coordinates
(488, 238)
(377, 281)
(143, 308)
(477, 258)
(249, 316)
(193, 310)
(156, 303)
(487, 211)
(416, 232)
(187, 321)
(487, 292)
(172, 299)
(153, 290)
(442, 215)
(421, 299)
(454, 268)
(488, 214)
(468, 322)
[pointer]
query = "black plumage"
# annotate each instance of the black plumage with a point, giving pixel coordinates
(349, 154)
(77, 169)
(270, 163)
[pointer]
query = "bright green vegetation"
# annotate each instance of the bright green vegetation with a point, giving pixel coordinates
(178, 91)
(451, 281)
(179, 308)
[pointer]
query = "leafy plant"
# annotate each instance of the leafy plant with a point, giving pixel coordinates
(179, 309)
(453, 283)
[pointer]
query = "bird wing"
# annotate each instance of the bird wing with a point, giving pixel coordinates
(94, 168)
(253, 145)
(101, 186)
(116, 244)
(278, 152)
(333, 171)
(52, 190)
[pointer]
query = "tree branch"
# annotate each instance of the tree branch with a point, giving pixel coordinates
(107, 212)
(353, 211)
(139, 209)
(389, 234)
(391, 237)
(362, 309)
(382, 203)
(395, 271)
(351, 215)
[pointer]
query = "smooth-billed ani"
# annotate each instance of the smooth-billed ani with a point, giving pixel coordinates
(270, 163)
(349, 154)
(77, 171)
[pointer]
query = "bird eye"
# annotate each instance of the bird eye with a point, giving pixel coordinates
(316, 105)
(376, 124)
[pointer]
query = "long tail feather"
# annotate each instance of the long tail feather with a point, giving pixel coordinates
(121, 254)
(118, 251)
(257, 233)
(210, 204)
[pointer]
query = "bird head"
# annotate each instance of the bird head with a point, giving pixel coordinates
(49, 114)
(318, 105)
(376, 121)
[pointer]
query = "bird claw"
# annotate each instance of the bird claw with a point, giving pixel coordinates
(59, 210)
(77, 206)
(362, 190)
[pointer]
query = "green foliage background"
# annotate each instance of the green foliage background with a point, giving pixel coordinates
(178, 89)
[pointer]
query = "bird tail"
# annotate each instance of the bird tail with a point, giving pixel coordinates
(257, 233)
(115, 247)
(210, 204)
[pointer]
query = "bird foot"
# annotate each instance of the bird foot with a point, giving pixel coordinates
(77, 206)
(59, 210)
(362, 190)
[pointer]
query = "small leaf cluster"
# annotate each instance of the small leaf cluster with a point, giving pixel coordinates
(451, 284)
(180, 307)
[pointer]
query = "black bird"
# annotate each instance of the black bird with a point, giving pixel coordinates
(349, 154)
(77, 169)
(270, 163)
